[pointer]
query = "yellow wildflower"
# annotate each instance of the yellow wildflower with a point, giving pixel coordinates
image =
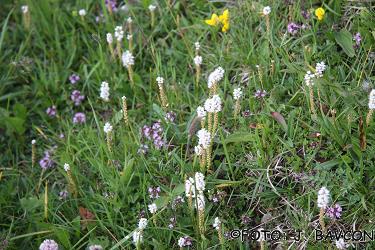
(319, 13)
(223, 19)
(214, 21)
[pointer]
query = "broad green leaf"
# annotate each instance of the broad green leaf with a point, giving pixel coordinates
(345, 40)
(239, 137)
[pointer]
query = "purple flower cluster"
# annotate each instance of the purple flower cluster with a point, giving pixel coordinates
(305, 14)
(357, 38)
(79, 118)
(170, 116)
(177, 201)
(76, 97)
(51, 111)
(260, 94)
(293, 28)
(154, 192)
(74, 78)
(154, 134)
(334, 212)
(47, 162)
(186, 241)
(111, 5)
(63, 195)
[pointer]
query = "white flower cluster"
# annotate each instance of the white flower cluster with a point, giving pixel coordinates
(82, 12)
(309, 77)
(24, 9)
(137, 237)
(142, 224)
(95, 247)
(129, 36)
(237, 93)
(201, 112)
(200, 203)
(152, 208)
(340, 244)
(49, 245)
(107, 128)
(197, 45)
(371, 100)
(129, 20)
(217, 223)
(200, 184)
(127, 59)
(198, 150)
(119, 33)
(66, 167)
(215, 77)
(213, 104)
(33, 142)
(189, 188)
(266, 10)
(204, 138)
(104, 91)
(151, 7)
(160, 80)
(109, 38)
(323, 197)
(198, 60)
(319, 69)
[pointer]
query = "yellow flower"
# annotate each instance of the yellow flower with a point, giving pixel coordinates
(214, 21)
(319, 13)
(224, 19)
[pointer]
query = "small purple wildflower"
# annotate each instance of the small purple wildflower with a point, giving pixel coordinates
(305, 14)
(185, 241)
(46, 162)
(177, 201)
(111, 5)
(79, 118)
(154, 192)
(154, 134)
(51, 111)
(74, 78)
(293, 28)
(76, 97)
(61, 136)
(142, 214)
(63, 195)
(334, 212)
(260, 94)
(170, 116)
(357, 38)
(246, 113)
(245, 219)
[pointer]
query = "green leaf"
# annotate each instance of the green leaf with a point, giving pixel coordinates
(17, 124)
(239, 137)
(344, 39)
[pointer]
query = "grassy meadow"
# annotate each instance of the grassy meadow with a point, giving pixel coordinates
(175, 124)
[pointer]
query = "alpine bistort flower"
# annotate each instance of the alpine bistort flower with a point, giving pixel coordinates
(266, 10)
(142, 224)
(95, 247)
(215, 77)
(104, 91)
(237, 93)
(66, 167)
(49, 245)
(119, 33)
(200, 184)
(82, 12)
(319, 69)
(323, 197)
(137, 237)
(127, 59)
(109, 38)
(201, 112)
(152, 208)
(197, 60)
(217, 223)
(107, 128)
(204, 138)
(371, 100)
(151, 7)
(24, 9)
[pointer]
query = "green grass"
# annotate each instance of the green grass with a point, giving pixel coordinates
(267, 166)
